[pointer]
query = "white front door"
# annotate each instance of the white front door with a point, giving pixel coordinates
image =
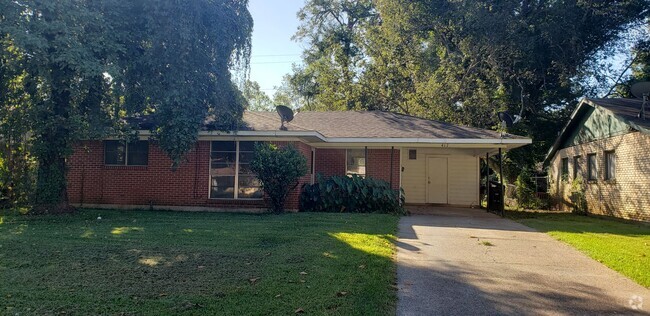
(437, 180)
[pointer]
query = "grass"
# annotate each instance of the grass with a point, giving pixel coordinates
(156, 263)
(621, 245)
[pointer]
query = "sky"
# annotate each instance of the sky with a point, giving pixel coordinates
(273, 52)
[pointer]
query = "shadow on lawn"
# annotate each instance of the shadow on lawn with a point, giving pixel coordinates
(573, 223)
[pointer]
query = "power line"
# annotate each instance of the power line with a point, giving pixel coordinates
(276, 55)
(275, 62)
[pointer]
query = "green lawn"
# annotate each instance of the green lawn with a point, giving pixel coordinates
(194, 263)
(622, 246)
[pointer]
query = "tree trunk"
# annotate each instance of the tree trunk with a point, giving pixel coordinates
(53, 141)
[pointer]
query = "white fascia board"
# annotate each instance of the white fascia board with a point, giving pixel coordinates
(494, 141)
(313, 135)
(265, 134)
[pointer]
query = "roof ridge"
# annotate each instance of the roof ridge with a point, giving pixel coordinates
(258, 114)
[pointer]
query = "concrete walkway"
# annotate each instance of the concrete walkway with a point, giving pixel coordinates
(469, 262)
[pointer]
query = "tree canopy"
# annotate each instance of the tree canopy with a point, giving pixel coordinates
(85, 65)
(461, 61)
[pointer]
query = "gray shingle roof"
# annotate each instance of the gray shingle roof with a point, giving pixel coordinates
(368, 124)
(626, 109)
(352, 124)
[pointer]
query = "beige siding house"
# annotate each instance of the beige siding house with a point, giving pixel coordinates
(604, 151)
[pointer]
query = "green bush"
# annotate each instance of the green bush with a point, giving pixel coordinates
(278, 169)
(351, 195)
(578, 198)
(526, 193)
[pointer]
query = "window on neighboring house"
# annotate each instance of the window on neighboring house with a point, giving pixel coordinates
(230, 174)
(610, 165)
(565, 169)
(355, 162)
(413, 154)
(120, 153)
(592, 167)
(576, 167)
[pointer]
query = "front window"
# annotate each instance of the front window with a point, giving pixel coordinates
(576, 167)
(610, 165)
(355, 162)
(592, 171)
(120, 153)
(565, 169)
(230, 174)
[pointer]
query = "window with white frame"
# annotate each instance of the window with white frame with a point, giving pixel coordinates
(230, 174)
(355, 162)
(121, 153)
(610, 165)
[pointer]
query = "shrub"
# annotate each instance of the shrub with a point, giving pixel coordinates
(525, 192)
(278, 169)
(352, 195)
(577, 197)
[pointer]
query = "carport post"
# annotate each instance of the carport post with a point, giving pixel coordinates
(487, 182)
(503, 190)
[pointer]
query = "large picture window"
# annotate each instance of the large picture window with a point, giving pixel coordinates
(355, 162)
(230, 174)
(120, 153)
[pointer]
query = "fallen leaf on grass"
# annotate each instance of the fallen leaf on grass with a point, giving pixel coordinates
(278, 296)
(363, 266)
(303, 273)
(300, 311)
(253, 280)
(162, 294)
(342, 293)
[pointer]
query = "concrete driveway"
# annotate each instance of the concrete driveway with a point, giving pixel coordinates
(467, 262)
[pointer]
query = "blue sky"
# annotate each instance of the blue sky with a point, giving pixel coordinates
(273, 50)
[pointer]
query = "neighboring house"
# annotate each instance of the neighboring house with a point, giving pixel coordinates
(607, 145)
(434, 162)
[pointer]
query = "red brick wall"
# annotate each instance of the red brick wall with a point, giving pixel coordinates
(379, 165)
(331, 162)
(91, 182)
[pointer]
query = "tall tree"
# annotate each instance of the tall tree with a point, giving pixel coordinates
(334, 30)
(256, 99)
(88, 64)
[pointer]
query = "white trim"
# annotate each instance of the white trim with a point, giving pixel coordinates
(429, 140)
(319, 138)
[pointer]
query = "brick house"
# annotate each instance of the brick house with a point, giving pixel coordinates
(607, 145)
(433, 162)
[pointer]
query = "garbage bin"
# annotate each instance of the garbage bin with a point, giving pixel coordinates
(495, 200)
